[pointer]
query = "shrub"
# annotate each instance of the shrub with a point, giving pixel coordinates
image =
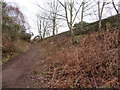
(24, 36)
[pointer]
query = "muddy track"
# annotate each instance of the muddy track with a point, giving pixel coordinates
(18, 68)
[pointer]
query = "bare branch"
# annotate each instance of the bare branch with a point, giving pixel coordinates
(115, 6)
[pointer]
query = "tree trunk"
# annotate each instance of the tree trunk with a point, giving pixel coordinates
(44, 33)
(72, 34)
(119, 6)
(54, 38)
(100, 21)
(117, 10)
(82, 16)
(70, 27)
(119, 15)
(99, 25)
(100, 12)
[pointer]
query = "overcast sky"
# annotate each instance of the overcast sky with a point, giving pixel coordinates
(30, 9)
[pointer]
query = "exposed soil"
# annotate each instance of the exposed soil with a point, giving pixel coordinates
(16, 71)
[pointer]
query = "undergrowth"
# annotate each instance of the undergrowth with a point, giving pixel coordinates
(91, 63)
(12, 49)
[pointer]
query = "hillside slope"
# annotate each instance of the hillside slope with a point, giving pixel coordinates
(92, 63)
(92, 27)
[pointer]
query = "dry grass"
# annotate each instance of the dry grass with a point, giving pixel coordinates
(92, 63)
(11, 49)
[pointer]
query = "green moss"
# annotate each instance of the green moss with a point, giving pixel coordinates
(4, 60)
(36, 72)
(102, 32)
(77, 38)
(49, 53)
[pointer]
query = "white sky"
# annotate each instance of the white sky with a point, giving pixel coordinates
(30, 9)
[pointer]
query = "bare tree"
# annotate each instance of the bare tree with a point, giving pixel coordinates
(100, 12)
(52, 13)
(82, 12)
(54, 8)
(39, 26)
(0, 19)
(69, 8)
(119, 15)
(45, 26)
(117, 11)
(119, 6)
(69, 23)
(115, 7)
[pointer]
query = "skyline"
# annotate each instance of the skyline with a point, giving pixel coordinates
(30, 9)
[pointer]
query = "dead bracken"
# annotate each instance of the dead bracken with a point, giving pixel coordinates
(92, 63)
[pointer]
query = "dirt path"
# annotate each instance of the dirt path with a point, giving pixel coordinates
(15, 71)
